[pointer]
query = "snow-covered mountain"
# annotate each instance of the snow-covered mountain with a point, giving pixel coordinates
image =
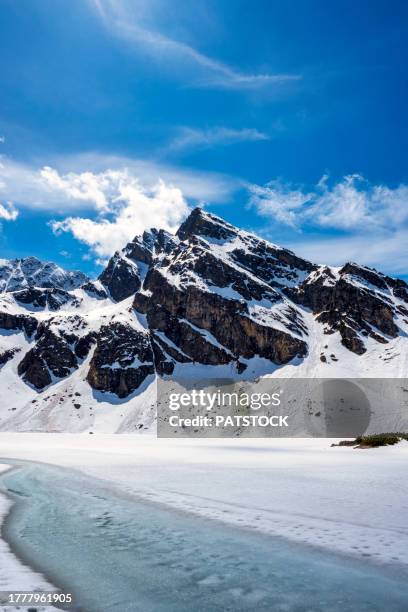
(212, 301)
(31, 272)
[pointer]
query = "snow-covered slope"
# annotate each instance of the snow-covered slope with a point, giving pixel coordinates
(211, 301)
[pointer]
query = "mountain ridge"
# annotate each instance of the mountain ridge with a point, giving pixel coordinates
(24, 272)
(211, 300)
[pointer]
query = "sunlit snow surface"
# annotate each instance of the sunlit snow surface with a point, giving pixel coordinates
(118, 552)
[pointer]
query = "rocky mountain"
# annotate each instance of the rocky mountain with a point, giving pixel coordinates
(18, 274)
(211, 301)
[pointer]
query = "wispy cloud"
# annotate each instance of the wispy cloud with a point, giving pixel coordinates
(385, 252)
(2, 139)
(212, 72)
(348, 220)
(192, 138)
(351, 204)
(278, 201)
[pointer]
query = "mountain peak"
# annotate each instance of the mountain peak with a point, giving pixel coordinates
(371, 276)
(202, 223)
(25, 272)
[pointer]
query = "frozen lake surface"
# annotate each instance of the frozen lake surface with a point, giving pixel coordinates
(115, 552)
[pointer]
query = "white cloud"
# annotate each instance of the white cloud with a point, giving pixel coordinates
(85, 186)
(119, 197)
(388, 251)
(88, 180)
(132, 210)
(205, 71)
(8, 212)
(23, 183)
(2, 139)
(352, 204)
(194, 138)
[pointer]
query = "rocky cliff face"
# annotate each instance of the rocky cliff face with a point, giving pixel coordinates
(355, 301)
(126, 270)
(211, 297)
(122, 359)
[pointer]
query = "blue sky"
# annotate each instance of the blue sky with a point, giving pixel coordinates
(288, 119)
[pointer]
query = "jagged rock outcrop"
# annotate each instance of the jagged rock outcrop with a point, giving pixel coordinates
(127, 269)
(50, 359)
(122, 359)
(354, 300)
(26, 323)
(53, 298)
(121, 277)
(200, 224)
(62, 342)
(185, 316)
(268, 262)
(8, 354)
(95, 289)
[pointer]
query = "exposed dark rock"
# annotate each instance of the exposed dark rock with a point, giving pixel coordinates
(371, 276)
(72, 330)
(272, 264)
(56, 351)
(400, 289)
(94, 290)
(396, 286)
(347, 307)
(126, 270)
(197, 262)
(200, 223)
(402, 310)
(142, 248)
(122, 359)
(227, 321)
(278, 267)
(164, 364)
(50, 357)
(25, 323)
(121, 277)
(83, 345)
(189, 340)
(53, 298)
(152, 243)
(315, 292)
(8, 354)
(168, 347)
